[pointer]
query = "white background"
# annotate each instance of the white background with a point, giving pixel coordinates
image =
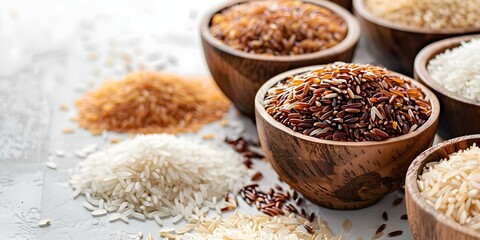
(52, 51)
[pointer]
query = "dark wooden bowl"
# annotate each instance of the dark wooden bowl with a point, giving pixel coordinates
(340, 175)
(395, 46)
(239, 74)
(347, 4)
(424, 220)
(459, 116)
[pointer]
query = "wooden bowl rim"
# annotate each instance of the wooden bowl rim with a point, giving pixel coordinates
(260, 110)
(411, 186)
(352, 38)
(360, 8)
(428, 53)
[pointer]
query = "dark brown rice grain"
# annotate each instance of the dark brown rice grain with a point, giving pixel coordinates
(295, 195)
(303, 213)
(381, 228)
(397, 201)
(395, 233)
(309, 229)
(385, 216)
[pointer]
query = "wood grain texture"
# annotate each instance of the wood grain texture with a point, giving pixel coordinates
(239, 75)
(459, 116)
(396, 46)
(424, 220)
(340, 175)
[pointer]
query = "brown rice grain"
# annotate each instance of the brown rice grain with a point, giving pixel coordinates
(148, 102)
(380, 228)
(395, 233)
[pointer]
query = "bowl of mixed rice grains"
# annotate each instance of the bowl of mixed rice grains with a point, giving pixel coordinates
(344, 134)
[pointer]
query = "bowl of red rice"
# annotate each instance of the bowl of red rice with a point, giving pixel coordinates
(246, 43)
(344, 134)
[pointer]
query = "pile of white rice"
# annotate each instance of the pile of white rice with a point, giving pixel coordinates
(156, 176)
(458, 69)
(452, 186)
(244, 226)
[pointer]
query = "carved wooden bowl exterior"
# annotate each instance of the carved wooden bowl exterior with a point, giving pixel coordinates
(395, 46)
(459, 116)
(424, 220)
(239, 75)
(340, 175)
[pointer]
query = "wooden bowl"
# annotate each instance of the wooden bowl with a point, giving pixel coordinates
(340, 175)
(239, 74)
(347, 4)
(424, 220)
(395, 46)
(460, 116)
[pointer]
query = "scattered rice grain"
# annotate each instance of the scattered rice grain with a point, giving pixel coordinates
(51, 165)
(44, 223)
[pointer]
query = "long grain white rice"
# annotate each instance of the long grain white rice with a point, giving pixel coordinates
(243, 226)
(44, 223)
(458, 70)
(147, 175)
(99, 212)
(452, 186)
(51, 165)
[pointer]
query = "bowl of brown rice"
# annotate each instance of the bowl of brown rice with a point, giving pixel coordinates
(450, 69)
(344, 134)
(247, 42)
(397, 30)
(442, 187)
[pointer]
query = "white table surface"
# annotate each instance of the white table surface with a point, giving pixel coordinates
(51, 51)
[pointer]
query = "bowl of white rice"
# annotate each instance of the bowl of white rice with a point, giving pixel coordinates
(451, 69)
(443, 191)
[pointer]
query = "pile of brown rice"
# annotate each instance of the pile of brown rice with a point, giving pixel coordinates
(432, 14)
(272, 27)
(151, 102)
(452, 186)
